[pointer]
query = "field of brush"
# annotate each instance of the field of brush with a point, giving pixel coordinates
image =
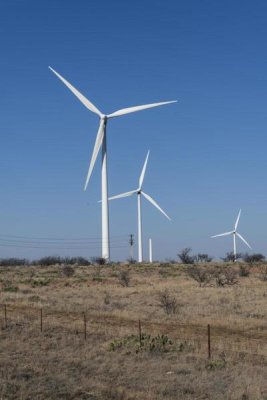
(74, 332)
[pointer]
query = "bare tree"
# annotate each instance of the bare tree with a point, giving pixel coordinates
(185, 256)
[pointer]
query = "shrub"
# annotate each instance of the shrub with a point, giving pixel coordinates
(47, 261)
(13, 262)
(107, 298)
(167, 302)
(131, 260)
(244, 271)
(185, 257)
(253, 258)
(124, 278)
(12, 289)
(230, 257)
(68, 271)
(263, 273)
(226, 277)
(203, 258)
(99, 260)
(201, 275)
(149, 343)
(218, 363)
(75, 261)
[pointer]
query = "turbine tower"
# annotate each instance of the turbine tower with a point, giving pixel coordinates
(234, 233)
(139, 191)
(101, 141)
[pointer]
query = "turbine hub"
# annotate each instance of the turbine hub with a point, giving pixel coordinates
(104, 118)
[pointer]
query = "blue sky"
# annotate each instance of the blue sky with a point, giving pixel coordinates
(208, 151)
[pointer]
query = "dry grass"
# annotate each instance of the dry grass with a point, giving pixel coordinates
(110, 364)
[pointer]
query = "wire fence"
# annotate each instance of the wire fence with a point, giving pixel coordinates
(207, 340)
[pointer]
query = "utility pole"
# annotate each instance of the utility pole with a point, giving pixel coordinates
(131, 242)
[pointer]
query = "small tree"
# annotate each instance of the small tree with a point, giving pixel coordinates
(230, 257)
(203, 258)
(185, 256)
(253, 258)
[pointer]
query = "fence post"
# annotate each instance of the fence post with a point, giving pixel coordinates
(84, 320)
(5, 312)
(209, 352)
(140, 332)
(41, 320)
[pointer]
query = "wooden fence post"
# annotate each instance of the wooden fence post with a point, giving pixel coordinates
(140, 332)
(209, 351)
(41, 320)
(84, 320)
(5, 312)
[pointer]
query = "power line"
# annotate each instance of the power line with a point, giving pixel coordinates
(57, 247)
(59, 239)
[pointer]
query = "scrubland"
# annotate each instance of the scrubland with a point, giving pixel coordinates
(168, 359)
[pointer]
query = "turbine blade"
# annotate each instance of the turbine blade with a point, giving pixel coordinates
(241, 237)
(141, 179)
(98, 142)
(223, 234)
(155, 204)
(237, 220)
(80, 96)
(128, 110)
(120, 196)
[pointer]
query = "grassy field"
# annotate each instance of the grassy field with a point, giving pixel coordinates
(169, 360)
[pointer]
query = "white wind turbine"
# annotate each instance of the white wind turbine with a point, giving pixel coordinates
(101, 141)
(140, 192)
(234, 233)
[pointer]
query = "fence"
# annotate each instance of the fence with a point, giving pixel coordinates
(208, 341)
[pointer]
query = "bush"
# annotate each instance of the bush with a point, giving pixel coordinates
(226, 277)
(68, 271)
(230, 257)
(218, 363)
(244, 271)
(185, 257)
(167, 302)
(47, 261)
(147, 343)
(131, 260)
(13, 262)
(56, 260)
(75, 261)
(99, 260)
(263, 273)
(201, 275)
(253, 258)
(203, 258)
(124, 278)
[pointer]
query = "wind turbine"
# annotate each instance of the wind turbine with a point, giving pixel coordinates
(101, 141)
(139, 191)
(234, 233)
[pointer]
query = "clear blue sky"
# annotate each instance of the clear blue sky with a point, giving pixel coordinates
(208, 151)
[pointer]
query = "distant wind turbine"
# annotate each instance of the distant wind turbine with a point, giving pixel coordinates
(140, 192)
(234, 233)
(101, 141)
